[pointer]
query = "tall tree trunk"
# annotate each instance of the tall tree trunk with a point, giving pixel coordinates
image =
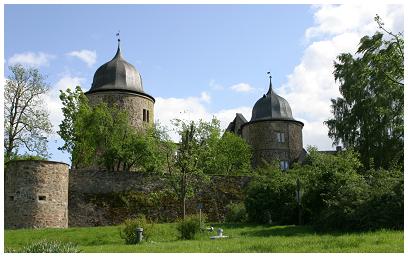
(184, 192)
(184, 207)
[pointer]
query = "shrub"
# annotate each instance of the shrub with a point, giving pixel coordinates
(128, 229)
(236, 213)
(50, 247)
(333, 190)
(189, 227)
(385, 206)
(270, 198)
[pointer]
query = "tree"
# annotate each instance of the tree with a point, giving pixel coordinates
(202, 151)
(228, 155)
(74, 103)
(102, 136)
(369, 115)
(72, 130)
(26, 121)
(185, 175)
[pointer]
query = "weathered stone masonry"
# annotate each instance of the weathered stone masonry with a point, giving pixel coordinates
(261, 135)
(36, 194)
(133, 103)
(91, 192)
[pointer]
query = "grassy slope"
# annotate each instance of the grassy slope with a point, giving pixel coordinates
(242, 238)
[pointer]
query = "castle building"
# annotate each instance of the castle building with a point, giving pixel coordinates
(117, 82)
(272, 132)
(46, 194)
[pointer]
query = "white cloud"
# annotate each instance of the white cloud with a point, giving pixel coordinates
(227, 115)
(87, 56)
(241, 87)
(205, 97)
(31, 59)
(215, 86)
(338, 19)
(53, 102)
(192, 108)
(311, 85)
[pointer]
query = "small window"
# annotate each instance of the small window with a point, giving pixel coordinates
(42, 198)
(11, 197)
(280, 137)
(147, 115)
(284, 165)
(144, 114)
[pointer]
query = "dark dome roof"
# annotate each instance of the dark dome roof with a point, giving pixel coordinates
(270, 107)
(117, 74)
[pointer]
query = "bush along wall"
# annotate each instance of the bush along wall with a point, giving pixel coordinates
(336, 195)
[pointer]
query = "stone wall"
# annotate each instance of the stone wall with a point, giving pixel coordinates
(133, 103)
(261, 135)
(100, 198)
(36, 194)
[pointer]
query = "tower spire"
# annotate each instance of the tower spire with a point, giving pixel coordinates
(118, 54)
(270, 83)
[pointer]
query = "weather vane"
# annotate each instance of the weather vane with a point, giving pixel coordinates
(270, 77)
(118, 35)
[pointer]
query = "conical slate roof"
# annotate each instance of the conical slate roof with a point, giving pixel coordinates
(271, 106)
(117, 74)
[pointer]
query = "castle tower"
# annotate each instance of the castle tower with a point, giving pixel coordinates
(35, 194)
(117, 82)
(272, 131)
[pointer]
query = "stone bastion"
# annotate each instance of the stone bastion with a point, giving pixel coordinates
(35, 194)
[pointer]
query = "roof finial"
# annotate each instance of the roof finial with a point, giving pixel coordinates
(270, 82)
(118, 54)
(118, 35)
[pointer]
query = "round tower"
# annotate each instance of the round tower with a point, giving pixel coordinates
(35, 194)
(118, 83)
(272, 131)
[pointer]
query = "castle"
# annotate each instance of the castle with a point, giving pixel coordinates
(272, 132)
(37, 192)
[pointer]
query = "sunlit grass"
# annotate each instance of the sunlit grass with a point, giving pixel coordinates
(242, 238)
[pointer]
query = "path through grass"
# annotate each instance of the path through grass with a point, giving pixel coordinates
(242, 238)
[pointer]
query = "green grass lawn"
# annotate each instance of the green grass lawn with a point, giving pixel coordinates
(242, 238)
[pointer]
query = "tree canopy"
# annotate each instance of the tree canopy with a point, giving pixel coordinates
(369, 116)
(203, 151)
(101, 136)
(26, 120)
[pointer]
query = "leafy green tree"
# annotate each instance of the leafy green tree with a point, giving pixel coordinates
(102, 136)
(369, 116)
(185, 176)
(26, 121)
(202, 151)
(75, 108)
(229, 155)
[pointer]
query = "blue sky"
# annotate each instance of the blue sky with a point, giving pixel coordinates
(196, 60)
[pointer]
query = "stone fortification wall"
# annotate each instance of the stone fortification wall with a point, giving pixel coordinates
(36, 194)
(262, 137)
(100, 198)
